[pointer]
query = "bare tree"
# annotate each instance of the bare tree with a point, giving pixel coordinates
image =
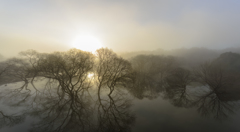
(70, 69)
(112, 70)
(156, 67)
(150, 72)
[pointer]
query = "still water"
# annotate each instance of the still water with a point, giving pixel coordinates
(194, 108)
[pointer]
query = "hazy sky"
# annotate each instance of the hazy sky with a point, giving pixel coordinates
(122, 25)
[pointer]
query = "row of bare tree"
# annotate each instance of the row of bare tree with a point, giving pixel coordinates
(64, 103)
(72, 68)
(144, 76)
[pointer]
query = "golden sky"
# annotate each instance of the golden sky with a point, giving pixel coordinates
(50, 25)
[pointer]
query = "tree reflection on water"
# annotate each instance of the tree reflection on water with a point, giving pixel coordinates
(70, 100)
(59, 111)
(65, 102)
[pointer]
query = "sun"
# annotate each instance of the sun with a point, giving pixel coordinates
(87, 43)
(90, 75)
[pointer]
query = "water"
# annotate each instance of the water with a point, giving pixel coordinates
(195, 108)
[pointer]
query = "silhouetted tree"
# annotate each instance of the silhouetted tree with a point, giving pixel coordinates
(112, 70)
(70, 69)
(150, 72)
(155, 66)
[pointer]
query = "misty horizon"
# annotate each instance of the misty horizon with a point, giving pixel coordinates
(123, 26)
(136, 52)
(119, 66)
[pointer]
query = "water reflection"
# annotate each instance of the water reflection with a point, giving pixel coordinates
(215, 104)
(10, 120)
(176, 87)
(150, 72)
(57, 110)
(211, 90)
(114, 113)
(219, 100)
(61, 111)
(81, 94)
(145, 87)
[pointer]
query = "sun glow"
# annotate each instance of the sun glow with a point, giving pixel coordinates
(87, 43)
(90, 75)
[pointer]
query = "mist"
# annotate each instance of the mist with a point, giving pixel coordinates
(124, 26)
(110, 66)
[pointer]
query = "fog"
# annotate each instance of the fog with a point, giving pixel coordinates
(82, 91)
(119, 66)
(120, 25)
